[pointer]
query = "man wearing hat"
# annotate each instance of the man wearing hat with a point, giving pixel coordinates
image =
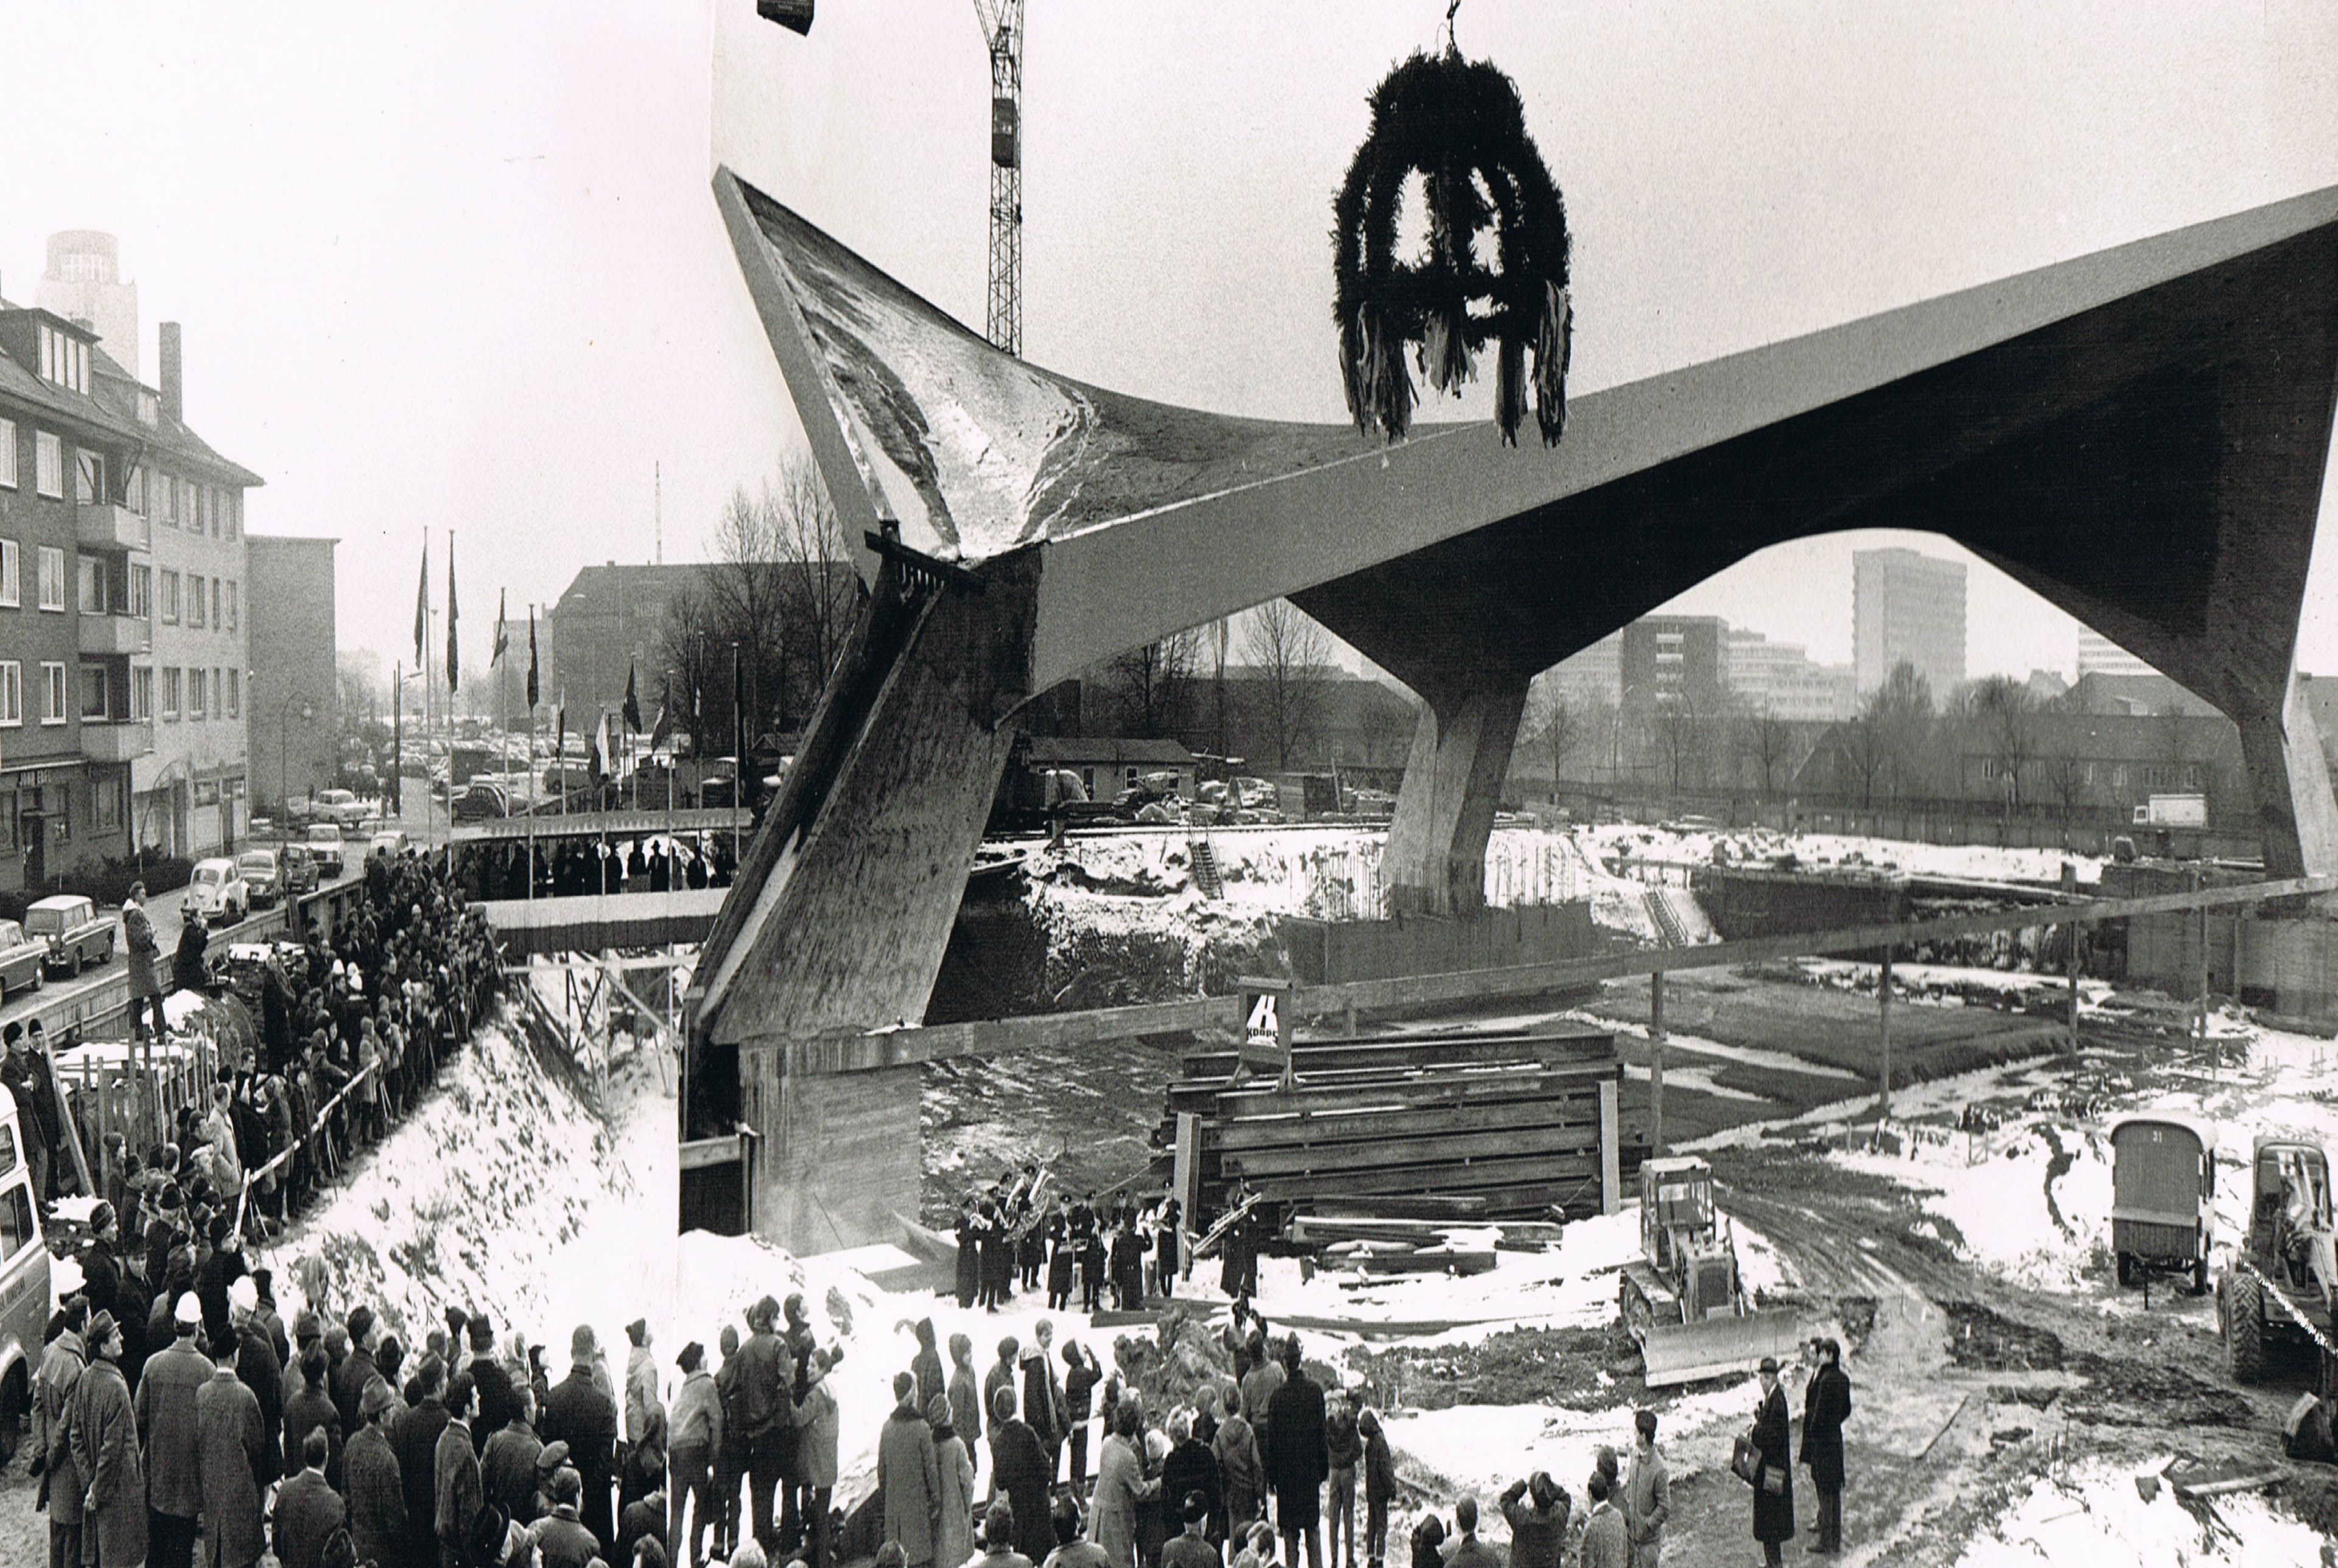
(53, 1393)
(231, 1453)
(16, 1072)
(414, 1439)
(578, 1413)
(697, 1433)
(310, 1409)
(371, 1480)
(358, 1368)
(491, 1383)
(562, 1538)
(101, 1268)
(145, 986)
(103, 1436)
(550, 1461)
(171, 1441)
(1774, 1482)
(765, 1396)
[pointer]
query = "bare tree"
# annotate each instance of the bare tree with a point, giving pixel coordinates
(1555, 729)
(820, 594)
(1679, 730)
(2066, 776)
(1905, 724)
(1294, 658)
(2003, 716)
(1154, 686)
(1767, 742)
(1865, 752)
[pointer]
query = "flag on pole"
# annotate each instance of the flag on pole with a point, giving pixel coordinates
(454, 659)
(662, 728)
(632, 713)
(600, 759)
(422, 602)
(503, 639)
(531, 659)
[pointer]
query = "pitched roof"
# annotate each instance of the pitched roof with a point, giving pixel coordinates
(112, 407)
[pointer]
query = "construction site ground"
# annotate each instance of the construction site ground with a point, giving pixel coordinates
(2008, 1391)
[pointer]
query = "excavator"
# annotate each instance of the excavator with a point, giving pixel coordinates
(1681, 1299)
(2282, 1284)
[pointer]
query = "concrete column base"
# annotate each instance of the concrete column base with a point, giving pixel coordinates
(838, 1164)
(1435, 863)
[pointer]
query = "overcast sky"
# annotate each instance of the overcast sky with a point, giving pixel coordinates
(458, 266)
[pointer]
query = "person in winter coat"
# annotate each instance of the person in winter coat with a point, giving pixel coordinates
(1647, 1495)
(1240, 1470)
(956, 1470)
(999, 1528)
(1001, 1374)
(1469, 1552)
(310, 1409)
(414, 1441)
(53, 1395)
(697, 1435)
(578, 1411)
(1039, 1403)
(370, 1482)
(1120, 1485)
(641, 1380)
(816, 1420)
(256, 1364)
(926, 1366)
(232, 1451)
(1774, 1482)
(908, 1477)
(456, 1490)
(172, 1442)
(964, 1394)
(1342, 1448)
(146, 986)
(765, 1386)
(1191, 1471)
(1081, 1375)
(1380, 1486)
(1826, 1406)
(308, 1511)
(730, 1451)
(1535, 1509)
(492, 1384)
(1296, 1459)
(1019, 1472)
(1607, 1540)
(970, 1267)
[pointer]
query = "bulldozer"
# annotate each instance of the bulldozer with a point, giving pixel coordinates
(2282, 1284)
(1682, 1298)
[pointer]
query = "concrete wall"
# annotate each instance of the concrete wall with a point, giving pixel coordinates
(839, 1160)
(1745, 903)
(2289, 967)
(1328, 952)
(291, 625)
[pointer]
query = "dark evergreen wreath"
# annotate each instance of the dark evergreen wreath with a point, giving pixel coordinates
(1459, 123)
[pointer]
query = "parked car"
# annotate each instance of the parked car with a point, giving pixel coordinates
(20, 959)
(340, 808)
(258, 867)
(481, 801)
(325, 844)
(75, 933)
(216, 892)
(295, 871)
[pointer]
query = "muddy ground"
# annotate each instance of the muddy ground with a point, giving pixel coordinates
(1968, 1387)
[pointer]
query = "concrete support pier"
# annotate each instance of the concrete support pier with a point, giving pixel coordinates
(1436, 857)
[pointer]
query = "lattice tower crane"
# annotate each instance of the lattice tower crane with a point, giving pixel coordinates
(1002, 32)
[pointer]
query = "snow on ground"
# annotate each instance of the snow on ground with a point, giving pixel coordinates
(2093, 1512)
(1954, 984)
(1750, 1055)
(1979, 862)
(504, 1191)
(2031, 1203)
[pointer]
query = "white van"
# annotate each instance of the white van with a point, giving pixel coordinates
(23, 1279)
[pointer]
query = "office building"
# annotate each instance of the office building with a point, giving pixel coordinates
(295, 699)
(1908, 607)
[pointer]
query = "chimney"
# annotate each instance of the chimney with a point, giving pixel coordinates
(174, 407)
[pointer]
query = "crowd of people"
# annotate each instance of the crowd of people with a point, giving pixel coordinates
(575, 868)
(1015, 1234)
(331, 1448)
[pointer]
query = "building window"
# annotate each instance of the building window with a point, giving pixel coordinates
(216, 622)
(52, 694)
(150, 406)
(230, 606)
(48, 466)
(12, 693)
(93, 584)
(89, 472)
(64, 360)
(170, 597)
(233, 503)
(141, 592)
(195, 693)
(166, 500)
(210, 511)
(170, 694)
(141, 691)
(52, 578)
(7, 454)
(235, 693)
(11, 562)
(93, 693)
(105, 800)
(133, 491)
(194, 599)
